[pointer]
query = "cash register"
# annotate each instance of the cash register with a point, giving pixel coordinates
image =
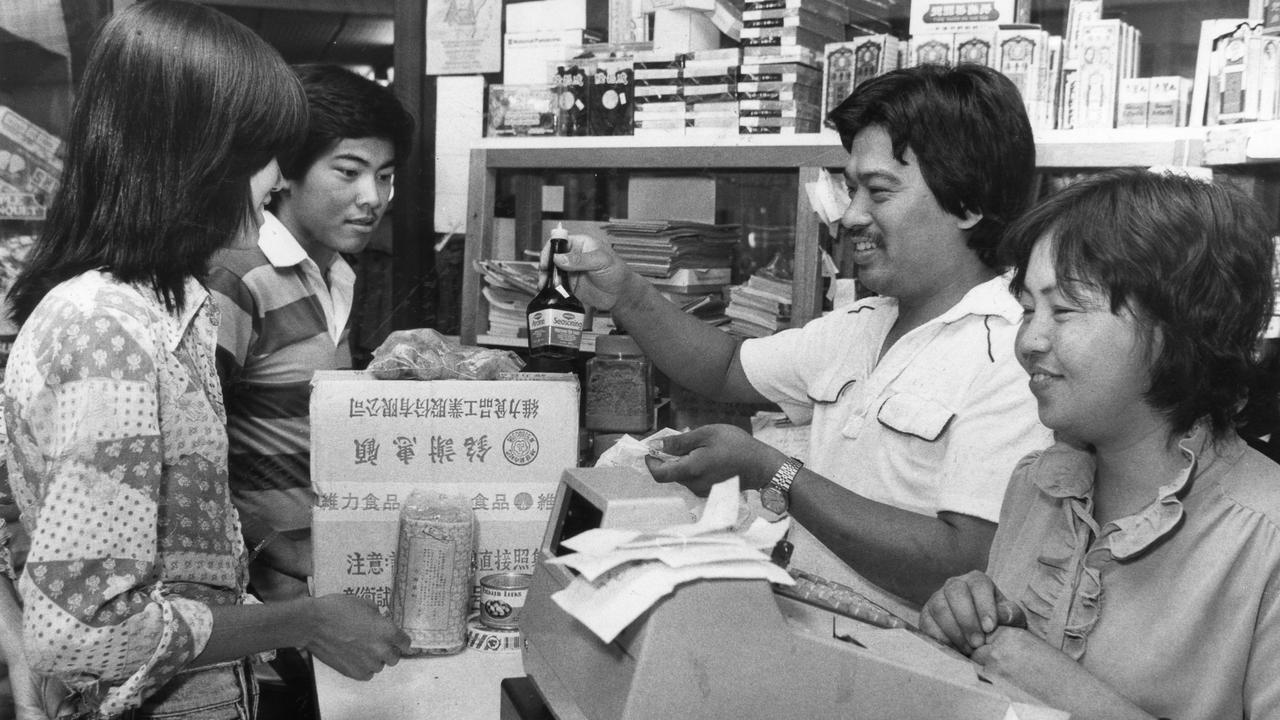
(727, 649)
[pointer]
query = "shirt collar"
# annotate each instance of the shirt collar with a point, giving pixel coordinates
(196, 297)
(1067, 472)
(989, 298)
(278, 244)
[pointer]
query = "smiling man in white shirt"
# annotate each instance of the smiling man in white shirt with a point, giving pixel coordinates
(918, 410)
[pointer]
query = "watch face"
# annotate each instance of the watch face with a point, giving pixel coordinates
(773, 499)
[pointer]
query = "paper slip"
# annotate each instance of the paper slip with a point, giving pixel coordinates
(630, 453)
(610, 604)
(623, 573)
(591, 567)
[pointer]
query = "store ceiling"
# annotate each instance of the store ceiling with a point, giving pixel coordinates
(346, 32)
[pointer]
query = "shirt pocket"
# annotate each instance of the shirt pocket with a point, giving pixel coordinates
(914, 415)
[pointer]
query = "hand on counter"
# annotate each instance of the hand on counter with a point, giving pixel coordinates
(711, 453)
(349, 635)
(966, 611)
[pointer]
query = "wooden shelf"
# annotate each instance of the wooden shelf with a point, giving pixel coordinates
(809, 155)
(1054, 149)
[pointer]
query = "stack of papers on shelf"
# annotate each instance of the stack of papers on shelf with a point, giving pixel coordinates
(698, 291)
(659, 248)
(761, 306)
(622, 573)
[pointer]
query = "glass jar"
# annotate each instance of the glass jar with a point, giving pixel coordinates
(619, 387)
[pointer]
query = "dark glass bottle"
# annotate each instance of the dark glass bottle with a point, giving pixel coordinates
(554, 315)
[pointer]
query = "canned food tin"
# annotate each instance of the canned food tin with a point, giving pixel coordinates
(501, 598)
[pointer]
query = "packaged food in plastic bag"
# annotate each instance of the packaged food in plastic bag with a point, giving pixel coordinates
(424, 354)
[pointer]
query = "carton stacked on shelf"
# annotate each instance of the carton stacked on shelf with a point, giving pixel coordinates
(950, 33)
(1032, 59)
(1163, 101)
(1244, 76)
(659, 104)
(610, 101)
(1104, 53)
(570, 83)
(708, 83)
(1097, 55)
(780, 83)
(761, 306)
(846, 64)
(30, 168)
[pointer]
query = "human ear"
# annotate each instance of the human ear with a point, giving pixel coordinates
(969, 221)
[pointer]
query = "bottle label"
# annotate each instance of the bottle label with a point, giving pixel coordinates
(560, 328)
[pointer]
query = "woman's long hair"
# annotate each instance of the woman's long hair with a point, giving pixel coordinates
(178, 107)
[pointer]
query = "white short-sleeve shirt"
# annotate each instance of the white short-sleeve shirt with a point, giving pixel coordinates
(936, 425)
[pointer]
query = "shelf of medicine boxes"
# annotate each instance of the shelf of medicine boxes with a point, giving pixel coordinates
(807, 154)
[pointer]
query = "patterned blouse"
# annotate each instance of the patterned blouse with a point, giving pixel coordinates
(117, 458)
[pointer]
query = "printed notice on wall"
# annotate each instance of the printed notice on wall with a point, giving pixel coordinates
(464, 37)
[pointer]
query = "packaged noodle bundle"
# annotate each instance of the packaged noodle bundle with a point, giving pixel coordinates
(431, 595)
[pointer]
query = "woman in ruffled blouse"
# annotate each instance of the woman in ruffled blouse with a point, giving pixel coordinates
(134, 588)
(1136, 568)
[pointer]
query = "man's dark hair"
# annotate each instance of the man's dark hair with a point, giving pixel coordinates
(343, 105)
(969, 131)
(1191, 260)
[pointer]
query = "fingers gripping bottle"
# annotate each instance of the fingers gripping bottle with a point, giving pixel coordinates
(555, 316)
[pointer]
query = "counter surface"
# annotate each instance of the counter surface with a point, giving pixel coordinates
(453, 687)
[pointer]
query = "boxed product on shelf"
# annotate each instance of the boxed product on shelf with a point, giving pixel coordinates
(1264, 76)
(1168, 101)
(930, 17)
(1134, 100)
(546, 15)
(789, 37)
(846, 64)
(45, 145)
(1068, 93)
(1078, 13)
(571, 83)
(712, 118)
(28, 160)
(833, 11)
(1022, 52)
(977, 46)
(516, 110)
(526, 55)
(1107, 50)
(610, 98)
(932, 49)
(760, 54)
(20, 206)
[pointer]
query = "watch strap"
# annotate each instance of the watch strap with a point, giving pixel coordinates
(783, 477)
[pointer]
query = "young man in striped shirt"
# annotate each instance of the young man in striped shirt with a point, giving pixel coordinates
(286, 301)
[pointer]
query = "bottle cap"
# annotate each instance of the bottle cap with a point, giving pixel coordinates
(617, 345)
(560, 232)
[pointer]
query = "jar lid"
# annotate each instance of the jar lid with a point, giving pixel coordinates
(617, 345)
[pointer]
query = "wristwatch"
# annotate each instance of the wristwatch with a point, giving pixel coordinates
(776, 496)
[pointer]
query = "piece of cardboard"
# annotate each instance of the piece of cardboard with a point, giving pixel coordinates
(502, 443)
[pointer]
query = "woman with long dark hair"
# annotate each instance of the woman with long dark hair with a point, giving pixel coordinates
(134, 589)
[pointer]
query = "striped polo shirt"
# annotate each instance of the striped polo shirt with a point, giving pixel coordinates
(281, 322)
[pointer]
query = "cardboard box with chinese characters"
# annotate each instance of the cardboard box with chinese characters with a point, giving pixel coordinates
(501, 443)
